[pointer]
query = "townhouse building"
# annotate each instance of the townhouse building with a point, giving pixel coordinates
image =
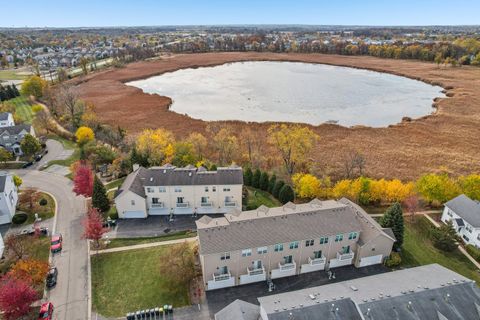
(269, 243)
(464, 213)
(168, 190)
(8, 197)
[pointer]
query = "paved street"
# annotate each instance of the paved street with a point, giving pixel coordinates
(70, 296)
(56, 151)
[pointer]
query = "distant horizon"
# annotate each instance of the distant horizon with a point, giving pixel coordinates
(145, 13)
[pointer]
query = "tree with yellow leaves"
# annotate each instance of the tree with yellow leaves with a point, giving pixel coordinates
(294, 144)
(199, 143)
(226, 145)
(156, 145)
(470, 186)
(29, 270)
(306, 185)
(437, 188)
(84, 135)
(34, 86)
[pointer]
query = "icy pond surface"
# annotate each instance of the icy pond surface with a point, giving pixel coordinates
(293, 92)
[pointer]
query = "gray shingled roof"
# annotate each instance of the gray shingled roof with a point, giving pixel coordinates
(15, 129)
(466, 208)
(257, 228)
(3, 180)
(239, 310)
(341, 309)
(133, 183)
(4, 116)
(460, 304)
(171, 176)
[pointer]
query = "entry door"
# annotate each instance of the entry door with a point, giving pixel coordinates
(223, 270)
(288, 259)
(257, 264)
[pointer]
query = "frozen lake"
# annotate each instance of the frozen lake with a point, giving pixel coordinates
(293, 92)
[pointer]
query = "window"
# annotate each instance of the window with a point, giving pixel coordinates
(288, 259)
(352, 236)
(206, 189)
(149, 190)
(317, 254)
(179, 199)
(226, 189)
(466, 238)
(246, 252)
(154, 200)
(339, 237)
(468, 228)
(323, 240)
(214, 189)
(132, 202)
(204, 199)
(177, 189)
(225, 256)
(262, 250)
(309, 243)
(450, 213)
(278, 247)
(294, 245)
(162, 189)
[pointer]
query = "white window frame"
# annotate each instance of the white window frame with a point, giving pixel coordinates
(262, 250)
(246, 252)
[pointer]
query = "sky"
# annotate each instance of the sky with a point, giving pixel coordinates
(91, 13)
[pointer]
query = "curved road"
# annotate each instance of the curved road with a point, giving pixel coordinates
(70, 296)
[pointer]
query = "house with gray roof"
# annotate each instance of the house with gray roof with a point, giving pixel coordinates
(2, 246)
(430, 292)
(8, 197)
(270, 243)
(10, 137)
(6, 119)
(464, 213)
(168, 190)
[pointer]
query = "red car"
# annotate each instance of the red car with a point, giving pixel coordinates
(46, 311)
(56, 244)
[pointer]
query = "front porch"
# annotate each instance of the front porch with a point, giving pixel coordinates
(253, 275)
(221, 280)
(284, 270)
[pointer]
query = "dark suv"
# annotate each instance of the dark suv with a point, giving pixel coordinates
(52, 278)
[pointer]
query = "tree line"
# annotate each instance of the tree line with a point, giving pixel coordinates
(8, 92)
(263, 181)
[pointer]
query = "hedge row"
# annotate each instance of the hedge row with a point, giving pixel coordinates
(261, 180)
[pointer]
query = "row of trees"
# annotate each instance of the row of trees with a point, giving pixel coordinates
(8, 92)
(434, 188)
(261, 180)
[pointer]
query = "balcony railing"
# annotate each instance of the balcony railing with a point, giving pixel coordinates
(230, 203)
(206, 204)
(286, 266)
(255, 271)
(317, 261)
(157, 205)
(345, 256)
(221, 277)
(182, 205)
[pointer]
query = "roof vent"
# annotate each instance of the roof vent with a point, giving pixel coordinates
(164, 171)
(151, 179)
(189, 174)
(312, 296)
(354, 288)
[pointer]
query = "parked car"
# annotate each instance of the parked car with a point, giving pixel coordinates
(109, 223)
(38, 157)
(56, 244)
(46, 311)
(32, 231)
(52, 277)
(27, 164)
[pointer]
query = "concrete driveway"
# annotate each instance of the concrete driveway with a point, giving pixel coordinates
(56, 151)
(70, 296)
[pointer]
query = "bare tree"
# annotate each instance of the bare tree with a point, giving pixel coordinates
(354, 164)
(17, 247)
(180, 266)
(69, 99)
(411, 203)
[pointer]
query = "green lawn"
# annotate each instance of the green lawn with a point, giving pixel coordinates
(11, 75)
(45, 212)
(115, 183)
(123, 242)
(132, 280)
(419, 250)
(257, 197)
(23, 108)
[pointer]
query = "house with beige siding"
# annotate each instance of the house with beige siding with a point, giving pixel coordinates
(168, 190)
(270, 243)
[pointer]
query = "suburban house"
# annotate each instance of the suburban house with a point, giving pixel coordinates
(430, 292)
(8, 197)
(10, 137)
(269, 243)
(6, 119)
(169, 190)
(464, 213)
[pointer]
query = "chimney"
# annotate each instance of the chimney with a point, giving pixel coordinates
(136, 166)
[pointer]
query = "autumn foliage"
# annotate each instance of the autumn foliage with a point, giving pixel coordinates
(30, 271)
(16, 296)
(82, 179)
(84, 135)
(93, 226)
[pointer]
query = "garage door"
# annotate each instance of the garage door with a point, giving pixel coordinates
(368, 261)
(133, 214)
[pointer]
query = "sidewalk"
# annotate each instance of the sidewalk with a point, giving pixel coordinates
(145, 245)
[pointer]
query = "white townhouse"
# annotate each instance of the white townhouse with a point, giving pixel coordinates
(8, 197)
(6, 120)
(464, 213)
(2, 246)
(168, 190)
